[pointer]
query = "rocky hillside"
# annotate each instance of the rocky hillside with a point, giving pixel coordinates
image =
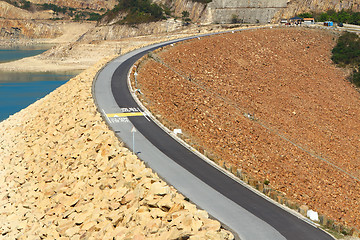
(18, 29)
(295, 7)
(217, 11)
(8, 11)
(224, 11)
(198, 12)
(83, 4)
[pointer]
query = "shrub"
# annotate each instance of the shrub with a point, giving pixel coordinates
(347, 50)
(25, 5)
(235, 19)
(138, 11)
(346, 53)
(185, 14)
(355, 77)
(344, 16)
(94, 17)
(202, 1)
(305, 15)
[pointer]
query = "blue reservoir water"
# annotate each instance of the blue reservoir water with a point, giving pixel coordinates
(7, 55)
(19, 90)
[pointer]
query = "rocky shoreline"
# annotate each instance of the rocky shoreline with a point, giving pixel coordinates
(63, 173)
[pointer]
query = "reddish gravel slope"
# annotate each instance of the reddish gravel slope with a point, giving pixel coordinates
(305, 117)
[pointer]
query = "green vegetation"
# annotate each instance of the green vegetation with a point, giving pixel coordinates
(347, 50)
(21, 4)
(346, 53)
(25, 4)
(55, 8)
(305, 15)
(185, 17)
(235, 18)
(93, 17)
(355, 77)
(344, 16)
(203, 1)
(137, 11)
(166, 9)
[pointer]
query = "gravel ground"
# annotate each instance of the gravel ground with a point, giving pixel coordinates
(269, 102)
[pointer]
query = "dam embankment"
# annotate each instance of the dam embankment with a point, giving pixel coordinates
(63, 173)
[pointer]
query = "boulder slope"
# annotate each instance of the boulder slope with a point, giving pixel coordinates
(63, 173)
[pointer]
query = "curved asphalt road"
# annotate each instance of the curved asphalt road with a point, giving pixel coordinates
(245, 212)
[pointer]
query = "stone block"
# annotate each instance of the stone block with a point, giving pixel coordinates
(303, 210)
(280, 199)
(292, 204)
(260, 186)
(252, 182)
(323, 219)
(273, 195)
(159, 189)
(267, 189)
(330, 224)
(239, 173)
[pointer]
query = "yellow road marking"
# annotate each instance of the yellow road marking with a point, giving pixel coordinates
(130, 114)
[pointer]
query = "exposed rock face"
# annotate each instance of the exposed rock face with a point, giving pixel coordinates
(91, 4)
(64, 174)
(198, 11)
(298, 6)
(116, 31)
(8, 11)
(17, 29)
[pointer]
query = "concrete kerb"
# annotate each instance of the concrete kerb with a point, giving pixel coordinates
(272, 196)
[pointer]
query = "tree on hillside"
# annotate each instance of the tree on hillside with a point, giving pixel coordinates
(305, 15)
(347, 50)
(137, 11)
(346, 53)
